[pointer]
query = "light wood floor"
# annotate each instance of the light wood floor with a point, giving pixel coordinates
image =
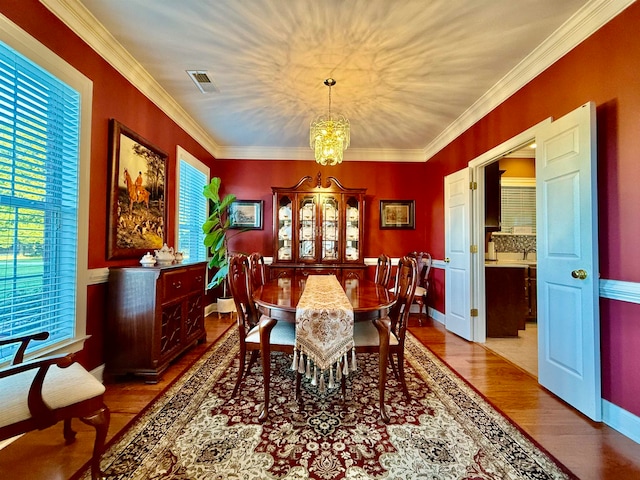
(590, 450)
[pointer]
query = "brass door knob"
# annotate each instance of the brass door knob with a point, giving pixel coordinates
(579, 274)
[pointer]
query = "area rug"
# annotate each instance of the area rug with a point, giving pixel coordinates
(196, 431)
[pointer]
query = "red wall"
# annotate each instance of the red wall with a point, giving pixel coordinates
(253, 179)
(604, 69)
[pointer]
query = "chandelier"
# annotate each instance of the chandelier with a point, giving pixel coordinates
(329, 136)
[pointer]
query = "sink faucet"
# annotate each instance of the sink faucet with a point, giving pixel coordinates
(526, 251)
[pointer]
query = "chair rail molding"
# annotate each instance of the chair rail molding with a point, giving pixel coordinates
(620, 290)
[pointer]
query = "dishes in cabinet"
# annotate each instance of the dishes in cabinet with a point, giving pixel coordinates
(284, 232)
(330, 231)
(352, 253)
(284, 253)
(352, 214)
(352, 233)
(285, 212)
(306, 212)
(330, 212)
(306, 232)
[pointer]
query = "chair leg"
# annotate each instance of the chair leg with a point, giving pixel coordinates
(243, 354)
(384, 326)
(298, 394)
(265, 352)
(393, 365)
(68, 432)
(405, 390)
(100, 421)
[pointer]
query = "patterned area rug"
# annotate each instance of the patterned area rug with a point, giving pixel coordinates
(447, 431)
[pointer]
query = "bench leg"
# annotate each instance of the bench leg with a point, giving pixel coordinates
(100, 421)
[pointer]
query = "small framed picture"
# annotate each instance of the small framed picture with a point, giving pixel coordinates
(397, 214)
(246, 214)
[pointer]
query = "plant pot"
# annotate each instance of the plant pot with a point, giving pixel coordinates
(225, 305)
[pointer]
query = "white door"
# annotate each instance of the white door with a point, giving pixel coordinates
(457, 227)
(568, 314)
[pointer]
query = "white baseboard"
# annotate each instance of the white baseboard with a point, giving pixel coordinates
(619, 419)
(436, 315)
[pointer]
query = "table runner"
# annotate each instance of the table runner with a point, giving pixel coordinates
(324, 331)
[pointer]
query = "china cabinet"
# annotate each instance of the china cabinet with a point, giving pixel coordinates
(155, 314)
(318, 229)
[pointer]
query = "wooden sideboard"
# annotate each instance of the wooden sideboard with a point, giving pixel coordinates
(155, 314)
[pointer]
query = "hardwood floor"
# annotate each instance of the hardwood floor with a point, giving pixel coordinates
(590, 450)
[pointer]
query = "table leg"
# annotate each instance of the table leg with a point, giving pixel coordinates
(384, 327)
(266, 326)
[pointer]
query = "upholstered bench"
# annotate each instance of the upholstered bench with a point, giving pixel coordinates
(38, 394)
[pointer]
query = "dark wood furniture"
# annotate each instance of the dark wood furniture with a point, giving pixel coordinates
(155, 314)
(27, 404)
(318, 229)
(386, 335)
(279, 297)
(506, 301)
(383, 270)
(532, 297)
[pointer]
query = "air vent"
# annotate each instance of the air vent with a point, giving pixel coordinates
(203, 81)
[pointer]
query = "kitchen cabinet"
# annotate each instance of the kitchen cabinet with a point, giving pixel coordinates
(155, 314)
(532, 279)
(507, 303)
(318, 229)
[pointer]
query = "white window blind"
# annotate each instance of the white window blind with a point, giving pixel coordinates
(518, 207)
(39, 157)
(192, 208)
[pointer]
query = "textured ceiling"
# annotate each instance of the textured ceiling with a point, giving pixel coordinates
(405, 69)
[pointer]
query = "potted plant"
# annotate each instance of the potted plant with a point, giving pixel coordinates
(216, 229)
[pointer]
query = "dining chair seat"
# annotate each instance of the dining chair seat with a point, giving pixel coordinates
(420, 291)
(283, 333)
(365, 334)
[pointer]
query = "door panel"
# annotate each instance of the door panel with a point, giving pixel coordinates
(457, 242)
(568, 316)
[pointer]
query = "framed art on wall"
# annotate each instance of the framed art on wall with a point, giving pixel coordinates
(246, 214)
(397, 214)
(137, 209)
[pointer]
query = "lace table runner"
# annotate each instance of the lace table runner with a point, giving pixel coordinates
(324, 331)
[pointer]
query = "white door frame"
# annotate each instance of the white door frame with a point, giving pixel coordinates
(479, 323)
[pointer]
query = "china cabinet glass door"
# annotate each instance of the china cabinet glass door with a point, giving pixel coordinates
(330, 211)
(285, 221)
(352, 230)
(307, 236)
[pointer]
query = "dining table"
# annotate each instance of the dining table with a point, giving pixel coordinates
(278, 299)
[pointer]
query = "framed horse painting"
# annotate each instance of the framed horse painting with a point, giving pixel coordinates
(137, 210)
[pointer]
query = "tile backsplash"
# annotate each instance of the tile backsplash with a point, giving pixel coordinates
(513, 243)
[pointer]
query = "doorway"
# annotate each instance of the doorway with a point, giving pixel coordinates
(510, 269)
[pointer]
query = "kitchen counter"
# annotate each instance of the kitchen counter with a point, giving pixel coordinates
(510, 263)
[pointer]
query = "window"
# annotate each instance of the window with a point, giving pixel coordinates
(41, 179)
(193, 175)
(518, 204)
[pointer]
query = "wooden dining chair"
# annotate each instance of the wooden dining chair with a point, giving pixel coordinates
(258, 270)
(383, 270)
(367, 335)
(423, 259)
(249, 321)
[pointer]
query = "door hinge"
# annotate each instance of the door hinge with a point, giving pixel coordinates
(474, 249)
(473, 185)
(474, 312)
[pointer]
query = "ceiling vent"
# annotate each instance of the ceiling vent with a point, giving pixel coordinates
(203, 81)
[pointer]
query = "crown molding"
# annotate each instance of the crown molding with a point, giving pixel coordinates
(350, 155)
(76, 16)
(580, 26)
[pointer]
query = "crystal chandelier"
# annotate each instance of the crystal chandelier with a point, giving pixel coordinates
(329, 136)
